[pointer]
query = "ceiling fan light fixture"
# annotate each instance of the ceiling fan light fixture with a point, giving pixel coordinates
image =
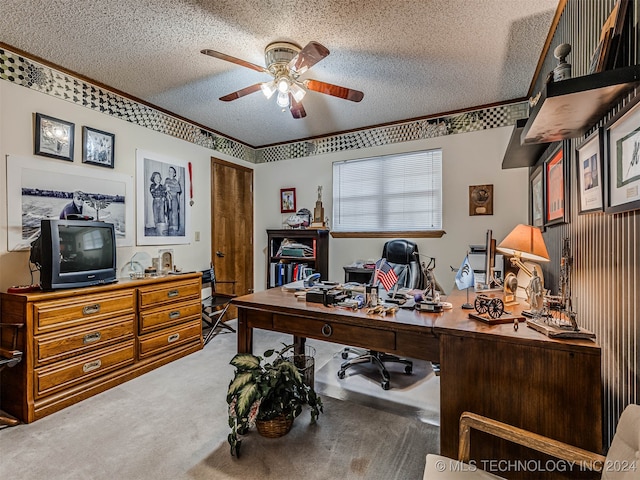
(298, 92)
(283, 85)
(268, 88)
(283, 99)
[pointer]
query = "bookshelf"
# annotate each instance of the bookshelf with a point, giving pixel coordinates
(289, 251)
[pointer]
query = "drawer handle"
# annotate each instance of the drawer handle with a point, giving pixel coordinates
(91, 337)
(173, 293)
(327, 330)
(90, 309)
(175, 314)
(173, 338)
(90, 366)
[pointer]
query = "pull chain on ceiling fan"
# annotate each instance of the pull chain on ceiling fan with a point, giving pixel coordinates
(286, 62)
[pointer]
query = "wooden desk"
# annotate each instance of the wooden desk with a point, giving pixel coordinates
(521, 377)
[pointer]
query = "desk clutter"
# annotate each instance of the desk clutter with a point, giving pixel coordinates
(357, 296)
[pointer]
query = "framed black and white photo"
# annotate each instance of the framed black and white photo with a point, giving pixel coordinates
(590, 176)
(38, 190)
(623, 160)
(537, 198)
(556, 186)
(53, 137)
(162, 185)
(97, 147)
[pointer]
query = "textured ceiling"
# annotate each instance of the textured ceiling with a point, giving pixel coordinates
(410, 58)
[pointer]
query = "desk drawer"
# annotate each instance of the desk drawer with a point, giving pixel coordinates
(169, 338)
(74, 342)
(168, 315)
(172, 292)
(68, 373)
(75, 311)
(358, 336)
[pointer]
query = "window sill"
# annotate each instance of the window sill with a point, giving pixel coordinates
(409, 234)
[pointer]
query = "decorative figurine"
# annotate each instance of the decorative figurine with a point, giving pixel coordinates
(318, 211)
(563, 70)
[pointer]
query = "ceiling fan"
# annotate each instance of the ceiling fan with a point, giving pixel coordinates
(286, 62)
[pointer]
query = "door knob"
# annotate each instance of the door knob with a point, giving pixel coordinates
(219, 254)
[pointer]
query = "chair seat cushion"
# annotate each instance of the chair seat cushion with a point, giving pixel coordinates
(623, 458)
(440, 467)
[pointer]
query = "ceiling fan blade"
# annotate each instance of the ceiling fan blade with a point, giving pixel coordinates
(237, 61)
(308, 57)
(296, 108)
(335, 90)
(241, 93)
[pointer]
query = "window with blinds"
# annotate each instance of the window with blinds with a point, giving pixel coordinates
(393, 193)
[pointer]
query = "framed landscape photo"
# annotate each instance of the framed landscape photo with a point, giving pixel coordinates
(622, 181)
(97, 147)
(53, 137)
(287, 200)
(555, 187)
(537, 198)
(589, 162)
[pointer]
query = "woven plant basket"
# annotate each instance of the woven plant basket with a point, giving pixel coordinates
(274, 428)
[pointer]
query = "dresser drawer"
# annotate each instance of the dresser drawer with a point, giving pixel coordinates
(73, 342)
(75, 311)
(168, 315)
(151, 296)
(169, 338)
(68, 373)
(373, 338)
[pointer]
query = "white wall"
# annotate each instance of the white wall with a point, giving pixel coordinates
(17, 107)
(468, 159)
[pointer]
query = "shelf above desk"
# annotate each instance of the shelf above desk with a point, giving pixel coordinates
(567, 109)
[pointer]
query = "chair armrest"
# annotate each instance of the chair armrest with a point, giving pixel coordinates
(543, 444)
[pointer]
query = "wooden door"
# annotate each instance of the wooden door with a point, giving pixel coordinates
(232, 227)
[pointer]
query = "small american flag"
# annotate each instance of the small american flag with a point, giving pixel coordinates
(385, 274)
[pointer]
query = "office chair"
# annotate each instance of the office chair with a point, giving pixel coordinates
(9, 357)
(215, 306)
(402, 256)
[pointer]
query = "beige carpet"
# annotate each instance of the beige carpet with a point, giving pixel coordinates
(171, 424)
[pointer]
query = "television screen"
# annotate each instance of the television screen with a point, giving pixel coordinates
(84, 248)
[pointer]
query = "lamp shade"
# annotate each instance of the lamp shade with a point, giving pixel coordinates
(526, 242)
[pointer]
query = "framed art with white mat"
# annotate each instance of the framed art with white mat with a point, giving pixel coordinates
(623, 159)
(589, 156)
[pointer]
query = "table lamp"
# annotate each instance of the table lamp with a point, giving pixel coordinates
(525, 242)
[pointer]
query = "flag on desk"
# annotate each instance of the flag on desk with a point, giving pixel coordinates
(465, 277)
(385, 274)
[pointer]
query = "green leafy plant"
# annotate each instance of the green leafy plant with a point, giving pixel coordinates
(262, 391)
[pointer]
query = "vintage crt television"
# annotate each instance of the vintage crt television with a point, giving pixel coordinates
(75, 253)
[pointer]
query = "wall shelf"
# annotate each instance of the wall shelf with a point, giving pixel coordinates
(518, 155)
(567, 109)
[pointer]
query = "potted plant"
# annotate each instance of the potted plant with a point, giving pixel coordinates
(273, 393)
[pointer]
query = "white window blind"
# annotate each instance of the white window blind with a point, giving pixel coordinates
(401, 192)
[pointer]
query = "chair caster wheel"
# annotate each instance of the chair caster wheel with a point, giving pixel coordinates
(385, 385)
(340, 374)
(345, 355)
(408, 370)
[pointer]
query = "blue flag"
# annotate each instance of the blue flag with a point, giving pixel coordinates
(465, 277)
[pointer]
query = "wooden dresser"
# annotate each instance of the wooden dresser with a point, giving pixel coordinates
(80, 342)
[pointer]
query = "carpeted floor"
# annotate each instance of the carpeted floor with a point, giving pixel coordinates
(172, 424)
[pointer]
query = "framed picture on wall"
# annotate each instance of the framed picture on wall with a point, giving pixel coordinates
(590, 177)
(97, 147)
(536, 185)
(287, 200)
(555, 186)
(623, 159)
(163, 211)
(53, 137)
